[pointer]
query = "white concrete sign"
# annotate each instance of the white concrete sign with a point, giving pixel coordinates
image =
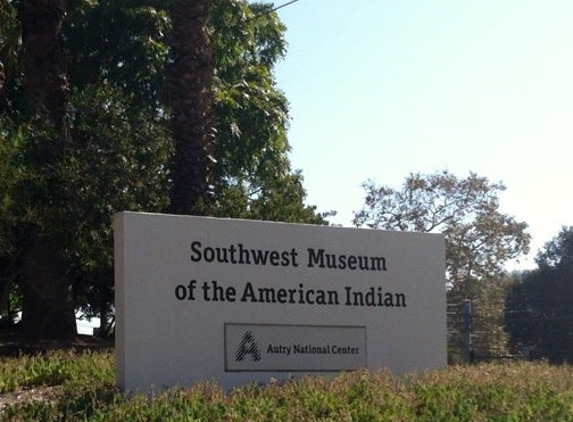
(241, 301)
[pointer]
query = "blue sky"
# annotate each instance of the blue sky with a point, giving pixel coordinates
(382, 88)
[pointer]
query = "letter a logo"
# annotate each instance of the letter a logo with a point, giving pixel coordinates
(248, 346)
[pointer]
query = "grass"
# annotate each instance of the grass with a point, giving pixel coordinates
(83, 389)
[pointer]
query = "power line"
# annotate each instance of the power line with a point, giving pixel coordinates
(274, 9)
(283, 5)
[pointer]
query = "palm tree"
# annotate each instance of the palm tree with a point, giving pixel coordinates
(48, 310)
(190, 74)
(45, 60)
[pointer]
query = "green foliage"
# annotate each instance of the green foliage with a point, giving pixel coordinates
(253, 177)
(119, 148)
(539, 313)
(55, 368)
(128, 148)
(85, 392)
(9, 59)
(12, 174)
(124, 45)
(26, 186)
(121, 44)
(523, 392)
(489, 336)
(557, 253)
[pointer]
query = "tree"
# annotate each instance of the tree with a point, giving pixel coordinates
(117, 51)
(47, 309)
(189, 94)
(539, 313)
(9, 40)
(252, 177)
(479, 238)
(118, 134)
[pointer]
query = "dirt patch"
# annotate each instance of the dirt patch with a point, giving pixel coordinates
(28, 395)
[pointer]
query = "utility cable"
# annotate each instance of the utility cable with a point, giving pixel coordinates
(282, 5)
(274, 9)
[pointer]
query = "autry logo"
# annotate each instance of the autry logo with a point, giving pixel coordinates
(248, 346)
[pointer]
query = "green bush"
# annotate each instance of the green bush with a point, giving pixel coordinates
(84, 390)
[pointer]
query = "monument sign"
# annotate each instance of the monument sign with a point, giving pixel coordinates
(240, 301)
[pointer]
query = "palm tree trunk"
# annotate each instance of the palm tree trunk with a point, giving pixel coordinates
(189, 95)
(45, 60)
(48, 310)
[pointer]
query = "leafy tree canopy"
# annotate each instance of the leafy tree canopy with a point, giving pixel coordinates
(120, 142)
(117, 53)
(539, 315)
(479, 238)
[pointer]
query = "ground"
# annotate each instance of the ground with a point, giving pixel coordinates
(26, 395)
(12, 345)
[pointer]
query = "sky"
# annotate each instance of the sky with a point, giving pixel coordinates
(379, 89)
